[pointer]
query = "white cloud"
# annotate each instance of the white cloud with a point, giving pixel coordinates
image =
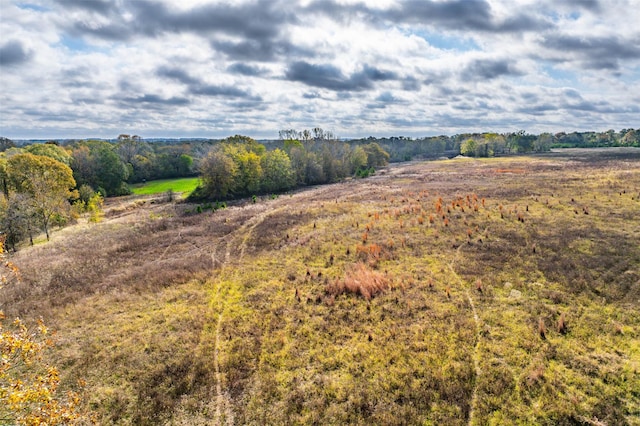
(81, 69)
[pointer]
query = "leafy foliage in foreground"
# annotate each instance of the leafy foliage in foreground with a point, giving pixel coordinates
(28, 386)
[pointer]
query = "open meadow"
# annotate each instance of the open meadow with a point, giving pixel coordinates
(182, 185)
(486, 291)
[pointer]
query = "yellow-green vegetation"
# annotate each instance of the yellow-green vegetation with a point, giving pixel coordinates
(182, 185)
(494, 291)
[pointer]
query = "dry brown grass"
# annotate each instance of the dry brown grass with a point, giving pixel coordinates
(361, 280)
(377, 331)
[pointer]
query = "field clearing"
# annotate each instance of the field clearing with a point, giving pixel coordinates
(459, 292)
(182, 185)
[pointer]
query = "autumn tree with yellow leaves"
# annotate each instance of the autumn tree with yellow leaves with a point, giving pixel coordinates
(29, 392)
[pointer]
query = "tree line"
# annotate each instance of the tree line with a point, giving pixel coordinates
(50, 184)
(46, 185)
(490, 144)
(239, 166)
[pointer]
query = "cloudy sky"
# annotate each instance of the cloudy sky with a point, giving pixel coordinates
(98, 68)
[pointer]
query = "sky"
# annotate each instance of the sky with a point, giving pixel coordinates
(201, 68)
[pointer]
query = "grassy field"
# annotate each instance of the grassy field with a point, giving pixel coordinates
(183, 185)
(460, 292)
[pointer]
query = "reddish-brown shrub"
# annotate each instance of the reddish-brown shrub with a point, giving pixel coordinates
(375, 250)
(562, 324)
(361, 280)
(542, 329)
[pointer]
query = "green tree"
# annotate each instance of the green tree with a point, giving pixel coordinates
(277, 174)
(50, 150)
(521, 142)
(543, 142)
(217, 173)
(48, 183)
(250, 171)
(184, 164)
(358, 159)
(97, 164)
(496, 144)
(137, 155)
(17, 218)
(289, 144)
(305, 166)
(5, 144)
(248, 166)
(376, 156)
(329, 165)
(129, 146)
(631, 137)
(249, 143)
(469, 148)
(4, 178)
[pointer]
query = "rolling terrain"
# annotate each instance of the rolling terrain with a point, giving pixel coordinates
(493, 291)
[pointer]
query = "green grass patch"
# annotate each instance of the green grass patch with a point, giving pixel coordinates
(184, 185)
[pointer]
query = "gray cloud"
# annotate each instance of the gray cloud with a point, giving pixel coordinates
(155, 99)
(330, 77)
(99, 6)
(387, 97)
(594, 52)
(221, 57)
(199, 87)
(77, 77)
(591, 5)
(537, 109)
(462, 13)
(244, 69)
(13, 53)
(264, 50)
(110, 32)
(459, 15)
(488, 69)
(325, 76)
(258, 20)
(177, 74)
(572, 93)
(220, 90)
(411, 83)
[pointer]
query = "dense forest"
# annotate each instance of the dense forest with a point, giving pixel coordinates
(49, 184)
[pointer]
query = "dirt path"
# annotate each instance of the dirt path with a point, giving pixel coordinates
(235, 240)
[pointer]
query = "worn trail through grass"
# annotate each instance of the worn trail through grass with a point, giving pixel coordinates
(476, 349)
(236, 242)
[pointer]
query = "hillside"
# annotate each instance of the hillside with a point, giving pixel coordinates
(492, 291)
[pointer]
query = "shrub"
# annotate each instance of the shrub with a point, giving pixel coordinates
(360, 280)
